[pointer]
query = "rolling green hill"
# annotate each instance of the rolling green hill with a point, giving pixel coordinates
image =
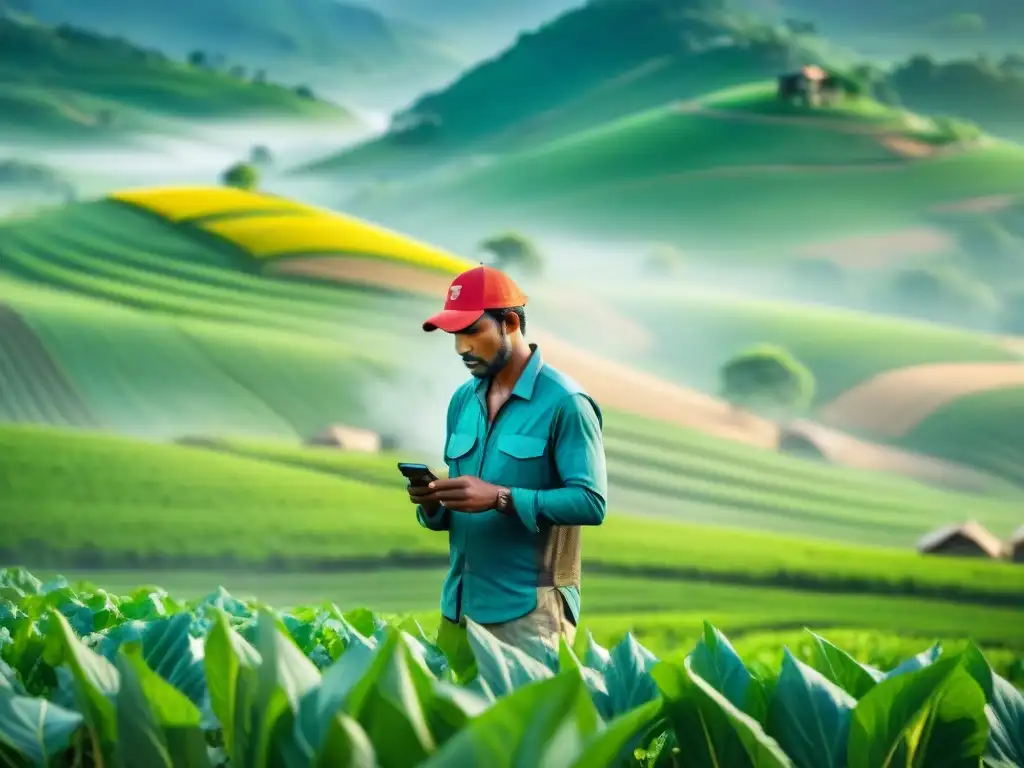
(612, 58)
(66, 82)
(316, 42)
(687, 172)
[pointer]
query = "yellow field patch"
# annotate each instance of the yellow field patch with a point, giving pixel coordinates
(330, 234)
(184, 203)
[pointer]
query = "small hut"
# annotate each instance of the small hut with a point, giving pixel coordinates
(347, 439)
(810, 86)
(1017, 545)
(969, 539)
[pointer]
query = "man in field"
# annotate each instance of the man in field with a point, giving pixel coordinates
(526, 467)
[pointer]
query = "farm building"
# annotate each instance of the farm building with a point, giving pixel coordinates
(353, 438)
(349, 439)
(969, 539)
(1017, 545)
(810, 86)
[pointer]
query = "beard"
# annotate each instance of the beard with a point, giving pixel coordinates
(498, 362)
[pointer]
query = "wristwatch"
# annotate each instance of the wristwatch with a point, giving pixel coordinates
(503, 501)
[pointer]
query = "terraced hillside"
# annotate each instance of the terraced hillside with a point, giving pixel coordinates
(111, 502)
(183, 311)
(688, 172)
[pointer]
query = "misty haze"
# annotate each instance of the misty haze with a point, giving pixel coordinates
(779, 244)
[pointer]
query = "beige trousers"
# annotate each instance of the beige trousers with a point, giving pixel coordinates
(547, 622)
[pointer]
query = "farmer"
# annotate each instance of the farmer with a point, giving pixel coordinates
(526, 469)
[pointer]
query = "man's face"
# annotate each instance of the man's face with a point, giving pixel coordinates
(485, 347)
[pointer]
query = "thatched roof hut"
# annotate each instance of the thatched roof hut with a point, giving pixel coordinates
(970, 539)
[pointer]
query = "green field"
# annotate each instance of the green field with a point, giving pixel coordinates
(688, 175)
(154, 503)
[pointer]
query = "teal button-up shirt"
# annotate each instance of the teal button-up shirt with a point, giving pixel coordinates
(546, 445)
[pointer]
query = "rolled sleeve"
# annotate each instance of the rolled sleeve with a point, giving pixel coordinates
(441, 521)
(578, 447)
(524, 502)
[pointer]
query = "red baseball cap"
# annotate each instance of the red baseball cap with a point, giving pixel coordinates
(470, 294)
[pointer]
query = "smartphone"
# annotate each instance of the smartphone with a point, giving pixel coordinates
(419, 475)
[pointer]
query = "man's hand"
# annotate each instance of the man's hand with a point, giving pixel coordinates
(462, 494)
(424, 497)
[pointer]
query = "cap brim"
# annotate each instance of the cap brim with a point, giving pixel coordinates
(453, 320)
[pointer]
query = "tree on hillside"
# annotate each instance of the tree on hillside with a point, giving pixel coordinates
(242, 176)
(197, 59)
(769, 380)
(261, 156)
(513, 251)
(304, 92)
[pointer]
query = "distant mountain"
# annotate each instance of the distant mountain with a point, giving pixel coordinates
(595, 63)
(481, 27)
(67, 82)
(324, 43)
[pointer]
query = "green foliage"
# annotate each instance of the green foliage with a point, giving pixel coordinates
(261, 156)
(979, 90)
(98, 677)
(242, 175)
(514, 251)
(769, 379)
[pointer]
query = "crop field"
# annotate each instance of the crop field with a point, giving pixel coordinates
(663, 613)
(156, 504)
(187, 203)
(217, 324)
(686, 475)
(216, 681)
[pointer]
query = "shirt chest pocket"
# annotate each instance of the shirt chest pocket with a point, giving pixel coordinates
(523, 461)
(459, 452)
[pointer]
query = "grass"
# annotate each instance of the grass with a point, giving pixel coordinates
(981, 429)
(155, 503)
(688, 476)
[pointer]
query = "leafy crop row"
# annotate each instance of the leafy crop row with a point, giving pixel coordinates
(90, 678)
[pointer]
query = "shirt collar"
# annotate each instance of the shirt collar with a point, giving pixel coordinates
(527, 379)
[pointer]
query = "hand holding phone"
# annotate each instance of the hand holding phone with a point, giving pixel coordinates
(419, 477)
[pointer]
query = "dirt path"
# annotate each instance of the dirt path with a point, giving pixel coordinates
(892, 404)
(613, 385)
(848, 451)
